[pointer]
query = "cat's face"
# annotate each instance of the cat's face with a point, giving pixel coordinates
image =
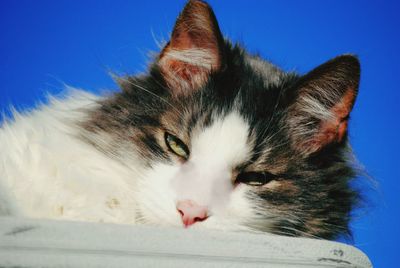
(229, 141)
(202, 170)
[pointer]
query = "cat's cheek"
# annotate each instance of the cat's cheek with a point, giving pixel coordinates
(235, 215)
(155, 198)
(253, 211)
(240, 202)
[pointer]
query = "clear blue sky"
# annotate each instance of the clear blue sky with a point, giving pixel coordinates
(46, 43)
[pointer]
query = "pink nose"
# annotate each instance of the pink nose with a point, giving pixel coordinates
(191, 212)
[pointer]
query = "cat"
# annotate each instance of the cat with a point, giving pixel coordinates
(211, 137)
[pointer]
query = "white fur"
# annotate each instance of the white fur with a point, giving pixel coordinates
(46, 171)
(196, 57)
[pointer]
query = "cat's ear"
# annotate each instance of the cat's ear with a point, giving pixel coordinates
(319, 114)
(194, 51)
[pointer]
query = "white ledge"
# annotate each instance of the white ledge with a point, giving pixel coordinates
(44, 243)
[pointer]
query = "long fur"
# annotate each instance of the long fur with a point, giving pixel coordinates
(105, 159)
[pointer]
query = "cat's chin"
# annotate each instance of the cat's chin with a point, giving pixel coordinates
(212, 223)
(209, 224)
(217, 225)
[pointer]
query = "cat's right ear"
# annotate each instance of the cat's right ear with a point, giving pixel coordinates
(194, 51)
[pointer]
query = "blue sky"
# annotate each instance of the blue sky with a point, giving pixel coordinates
(44, 44)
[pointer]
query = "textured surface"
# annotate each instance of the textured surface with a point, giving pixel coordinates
(38, 243)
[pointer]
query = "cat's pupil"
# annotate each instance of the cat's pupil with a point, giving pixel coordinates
(176, 146)
(254, 178)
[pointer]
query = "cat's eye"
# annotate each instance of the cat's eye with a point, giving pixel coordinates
(176, 146)
(254, 178)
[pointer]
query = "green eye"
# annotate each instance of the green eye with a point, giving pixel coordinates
(176, 146)
(254, 178)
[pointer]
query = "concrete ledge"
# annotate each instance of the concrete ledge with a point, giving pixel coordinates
(44, 243)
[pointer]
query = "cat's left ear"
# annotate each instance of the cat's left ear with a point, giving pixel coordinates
(194, 51)
(319, 114)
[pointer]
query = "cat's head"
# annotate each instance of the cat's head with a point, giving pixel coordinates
(229, 141)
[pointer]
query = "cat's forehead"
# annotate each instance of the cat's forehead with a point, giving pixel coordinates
(227, 139)
(269, 73)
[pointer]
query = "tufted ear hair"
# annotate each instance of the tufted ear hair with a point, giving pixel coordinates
(194, 51)
(319, 113)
